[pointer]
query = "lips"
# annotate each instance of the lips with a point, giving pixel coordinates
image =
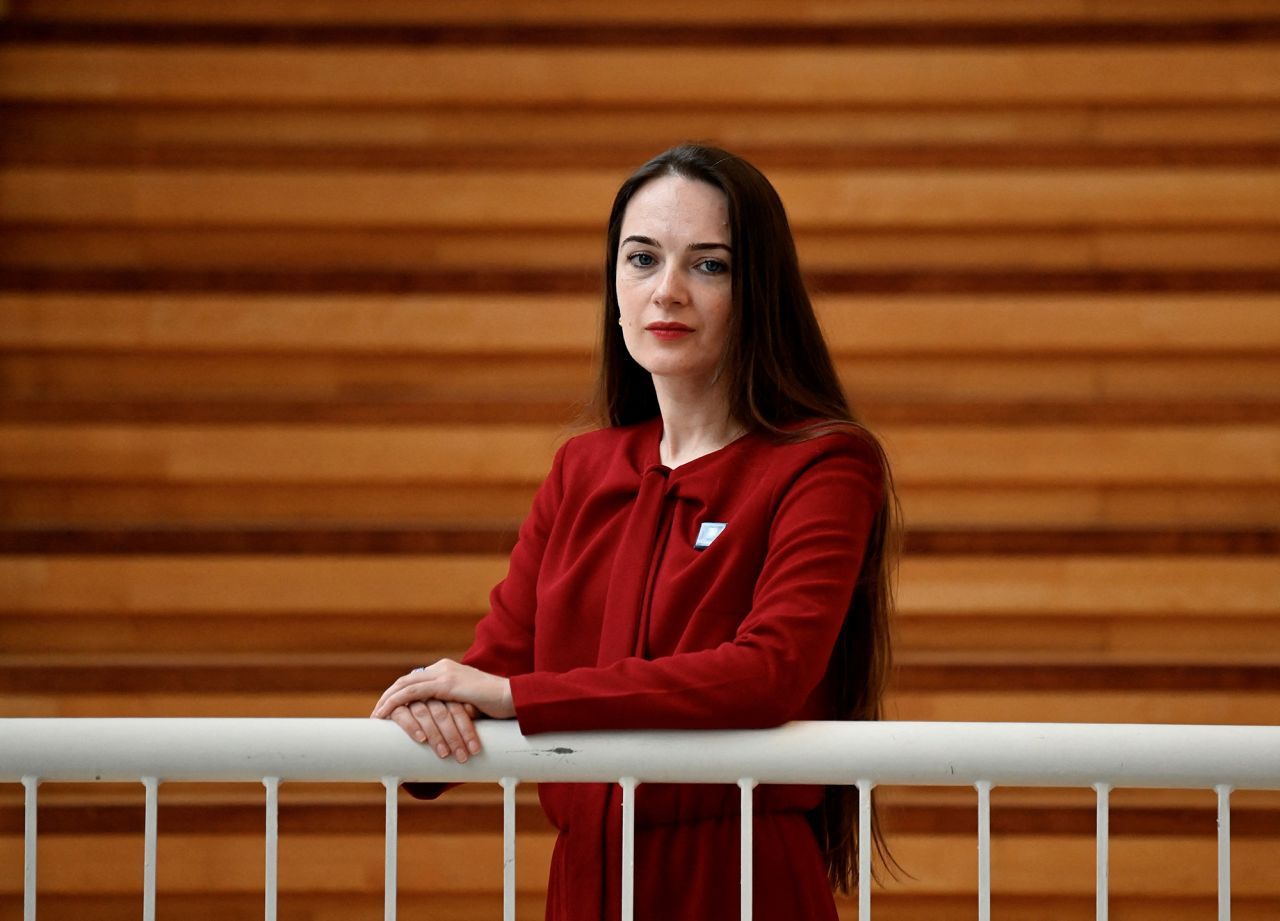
(669, 331)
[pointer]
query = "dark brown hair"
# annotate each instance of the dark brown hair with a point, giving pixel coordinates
(780, 380)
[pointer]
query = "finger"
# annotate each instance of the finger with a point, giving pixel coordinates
(443, 716)
(417, 688)
(380, 708)
(431, 736)
(404, 719)
(412, 677)
(466, 727)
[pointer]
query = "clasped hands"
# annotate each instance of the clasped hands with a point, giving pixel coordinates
(438, 705)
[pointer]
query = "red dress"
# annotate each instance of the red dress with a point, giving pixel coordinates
(612, 616)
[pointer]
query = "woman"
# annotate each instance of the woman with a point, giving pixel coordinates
(715, 556)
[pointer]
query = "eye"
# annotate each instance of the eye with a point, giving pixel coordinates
(641, 260)
(714, 266)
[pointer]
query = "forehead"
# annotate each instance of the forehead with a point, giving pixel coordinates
(678, 208)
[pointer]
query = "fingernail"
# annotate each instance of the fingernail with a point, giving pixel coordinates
(474, 747)
(461, 755)
(442, 750)
(420, 736)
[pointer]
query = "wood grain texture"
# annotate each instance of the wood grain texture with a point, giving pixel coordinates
(592, 76)
(335, 585)
(303, 136)
(867, 325)
(533, 11)
(297, 298)
(528, 201)
(1011, 457)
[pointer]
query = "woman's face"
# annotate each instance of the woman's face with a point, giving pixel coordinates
(675, 288)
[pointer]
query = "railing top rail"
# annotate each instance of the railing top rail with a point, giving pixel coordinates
(1022, 754)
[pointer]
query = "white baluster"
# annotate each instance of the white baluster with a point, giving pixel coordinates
(392, 834)
(984, 850)
(152, 785)
(1224, 852)
(864, 849)
(272, 851)
(628, 847)
(746, 847)
(29, 785)
(509, 785)
(1102, 884)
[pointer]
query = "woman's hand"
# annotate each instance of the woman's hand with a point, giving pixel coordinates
(437, 705)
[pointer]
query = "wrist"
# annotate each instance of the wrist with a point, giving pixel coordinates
(508, 704)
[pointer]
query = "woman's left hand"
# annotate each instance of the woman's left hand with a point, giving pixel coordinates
(436, 705)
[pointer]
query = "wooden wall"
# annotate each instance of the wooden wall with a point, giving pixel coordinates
(297, 297)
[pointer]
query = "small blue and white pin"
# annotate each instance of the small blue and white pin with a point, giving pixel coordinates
(707, 532)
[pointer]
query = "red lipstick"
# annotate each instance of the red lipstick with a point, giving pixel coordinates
(669, 331)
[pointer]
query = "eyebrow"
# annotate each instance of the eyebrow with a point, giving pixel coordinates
(649, 241)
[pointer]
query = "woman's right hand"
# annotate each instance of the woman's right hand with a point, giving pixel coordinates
(437, 705)
(447, 727)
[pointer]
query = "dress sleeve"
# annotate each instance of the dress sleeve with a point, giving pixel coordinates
(779, 654)
(503, 642)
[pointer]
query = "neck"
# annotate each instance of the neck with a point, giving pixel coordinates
(694, 426)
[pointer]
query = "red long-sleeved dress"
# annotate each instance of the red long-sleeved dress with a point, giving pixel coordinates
(613, 617)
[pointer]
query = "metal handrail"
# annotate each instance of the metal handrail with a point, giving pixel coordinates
(982, 755)
(1018, 754)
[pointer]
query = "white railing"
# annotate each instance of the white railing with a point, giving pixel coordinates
(981, 755)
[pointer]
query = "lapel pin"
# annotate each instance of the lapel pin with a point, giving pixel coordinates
(707, 532)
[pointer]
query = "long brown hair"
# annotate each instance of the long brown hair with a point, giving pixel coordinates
(781, 380)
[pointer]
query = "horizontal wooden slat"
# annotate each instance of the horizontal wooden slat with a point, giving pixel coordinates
(925, 505)
(1100, 638)
(1014, 457)
(1034, 456)
(1127, 706)
(535, 11)
(332, 585)
(1161, 585)
(341, 864)
(319, 136)
(532, 200)
(1089, 638)
(1066, 506)
(295, 673)
(378, 259)
(361, 632)
(66, 146)
(129, 387)
(1156, 586)
(273, 503)
(443, 538)
(335, 378)
(518, 409)
(456, 863)
(459, 454)
(588, 76)
(1150, 324)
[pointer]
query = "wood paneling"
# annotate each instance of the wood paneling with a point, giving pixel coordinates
(863, 326)
(588, 77)
(534, 11)
(516, 199)
(298, 298)
(1015, 457)
(1156, 586)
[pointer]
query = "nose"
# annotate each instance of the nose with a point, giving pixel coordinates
(671, 287)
